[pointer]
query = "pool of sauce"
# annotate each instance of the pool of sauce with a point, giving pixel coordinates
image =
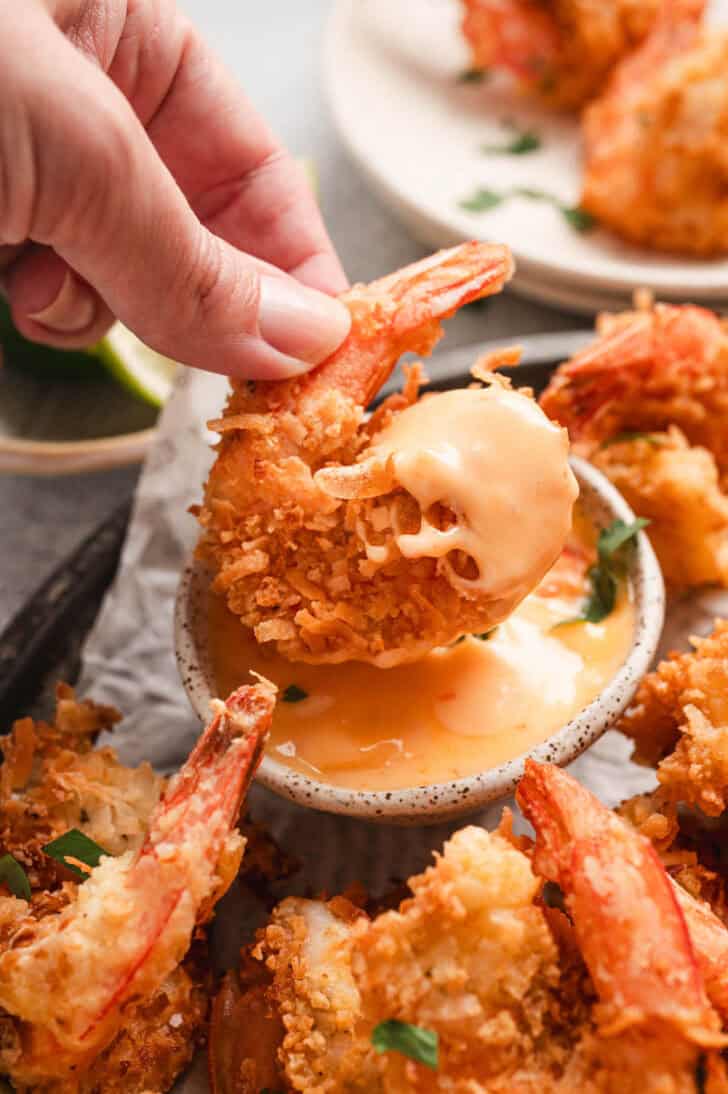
(458, 711)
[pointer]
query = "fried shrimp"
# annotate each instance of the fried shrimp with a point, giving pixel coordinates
(675, 486)
(654, 1015)
(679, 721)
(470, 957)
(648, 403)
(560, 50)
(621, 992)
(340, 539)
(656, 169)
(72, 964)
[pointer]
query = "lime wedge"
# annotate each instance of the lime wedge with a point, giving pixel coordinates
(141, 370)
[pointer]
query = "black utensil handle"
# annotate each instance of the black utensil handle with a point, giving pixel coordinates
(37, 637)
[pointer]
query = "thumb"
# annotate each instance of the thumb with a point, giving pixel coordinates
(103, 200)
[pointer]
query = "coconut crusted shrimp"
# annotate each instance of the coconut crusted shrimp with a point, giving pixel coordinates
(648, 403)
(679, 721)
(563, 50)
(656, 167)
(614, 1000)
(654, 1017)
(340, 540)
(67, 977)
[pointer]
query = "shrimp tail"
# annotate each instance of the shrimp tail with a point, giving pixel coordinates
(403, 312)
(631, 930)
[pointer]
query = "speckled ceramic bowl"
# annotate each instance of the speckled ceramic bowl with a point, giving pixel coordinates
(440, 801)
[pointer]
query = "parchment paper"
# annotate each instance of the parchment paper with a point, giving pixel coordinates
(129, 661)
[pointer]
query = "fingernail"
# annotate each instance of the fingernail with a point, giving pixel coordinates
(301, 322)
(71, 311)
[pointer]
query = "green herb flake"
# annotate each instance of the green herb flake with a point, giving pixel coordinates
(604, 576)
(532, 193)
(75, 845)
(480, 201)
(486, 635)
(617, 535)
(474, 76)
(519, 145)
(412, 1041)
(632, 435)
(14, 876)
(578, 218)
(294, 694)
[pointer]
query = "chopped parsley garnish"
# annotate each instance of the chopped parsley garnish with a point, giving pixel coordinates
(294, 694)
(74, 845)
(574, 215)
(412, 1041)
(577, 217)
(632, 435)
(481, 200)
(520, 144)
(474, 76)
(486, 634)
(14, 876)
(605, 574)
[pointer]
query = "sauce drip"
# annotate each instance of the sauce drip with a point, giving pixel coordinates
(494, 460)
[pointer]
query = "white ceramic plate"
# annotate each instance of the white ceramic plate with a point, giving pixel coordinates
(391, 73)
(51, 426)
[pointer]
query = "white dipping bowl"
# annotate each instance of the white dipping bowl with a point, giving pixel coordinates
(436, 802)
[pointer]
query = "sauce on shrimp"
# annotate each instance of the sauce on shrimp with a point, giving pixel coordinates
(459, 710)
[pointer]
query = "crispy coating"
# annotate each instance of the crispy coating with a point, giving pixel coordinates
(561, 50)
(647, 370)
(307, 950)
(656, 167)
(676, 487)
(475, 956)
(156, 1043)
(471, 957)
(53, 780)
(94, 995)
(679, 722)
(310, 567)
(648, 403)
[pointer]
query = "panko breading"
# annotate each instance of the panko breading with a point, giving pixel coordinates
(560, 50)
(648, 403)
(307, 950)
(92, 993)
(157, 1041)
(679, 722)
(523, 998)
(656, 166)
(676, 487)
(53, 780)
(469, 956)
(328, 545)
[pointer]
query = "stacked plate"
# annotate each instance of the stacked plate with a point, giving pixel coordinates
(460, 158)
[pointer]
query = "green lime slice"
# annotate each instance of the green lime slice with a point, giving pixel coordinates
(141, 370)
(43, 362)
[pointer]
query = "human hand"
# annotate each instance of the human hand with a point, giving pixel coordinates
(136, 181)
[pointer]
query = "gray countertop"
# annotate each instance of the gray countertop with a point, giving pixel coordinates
(274, 50)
